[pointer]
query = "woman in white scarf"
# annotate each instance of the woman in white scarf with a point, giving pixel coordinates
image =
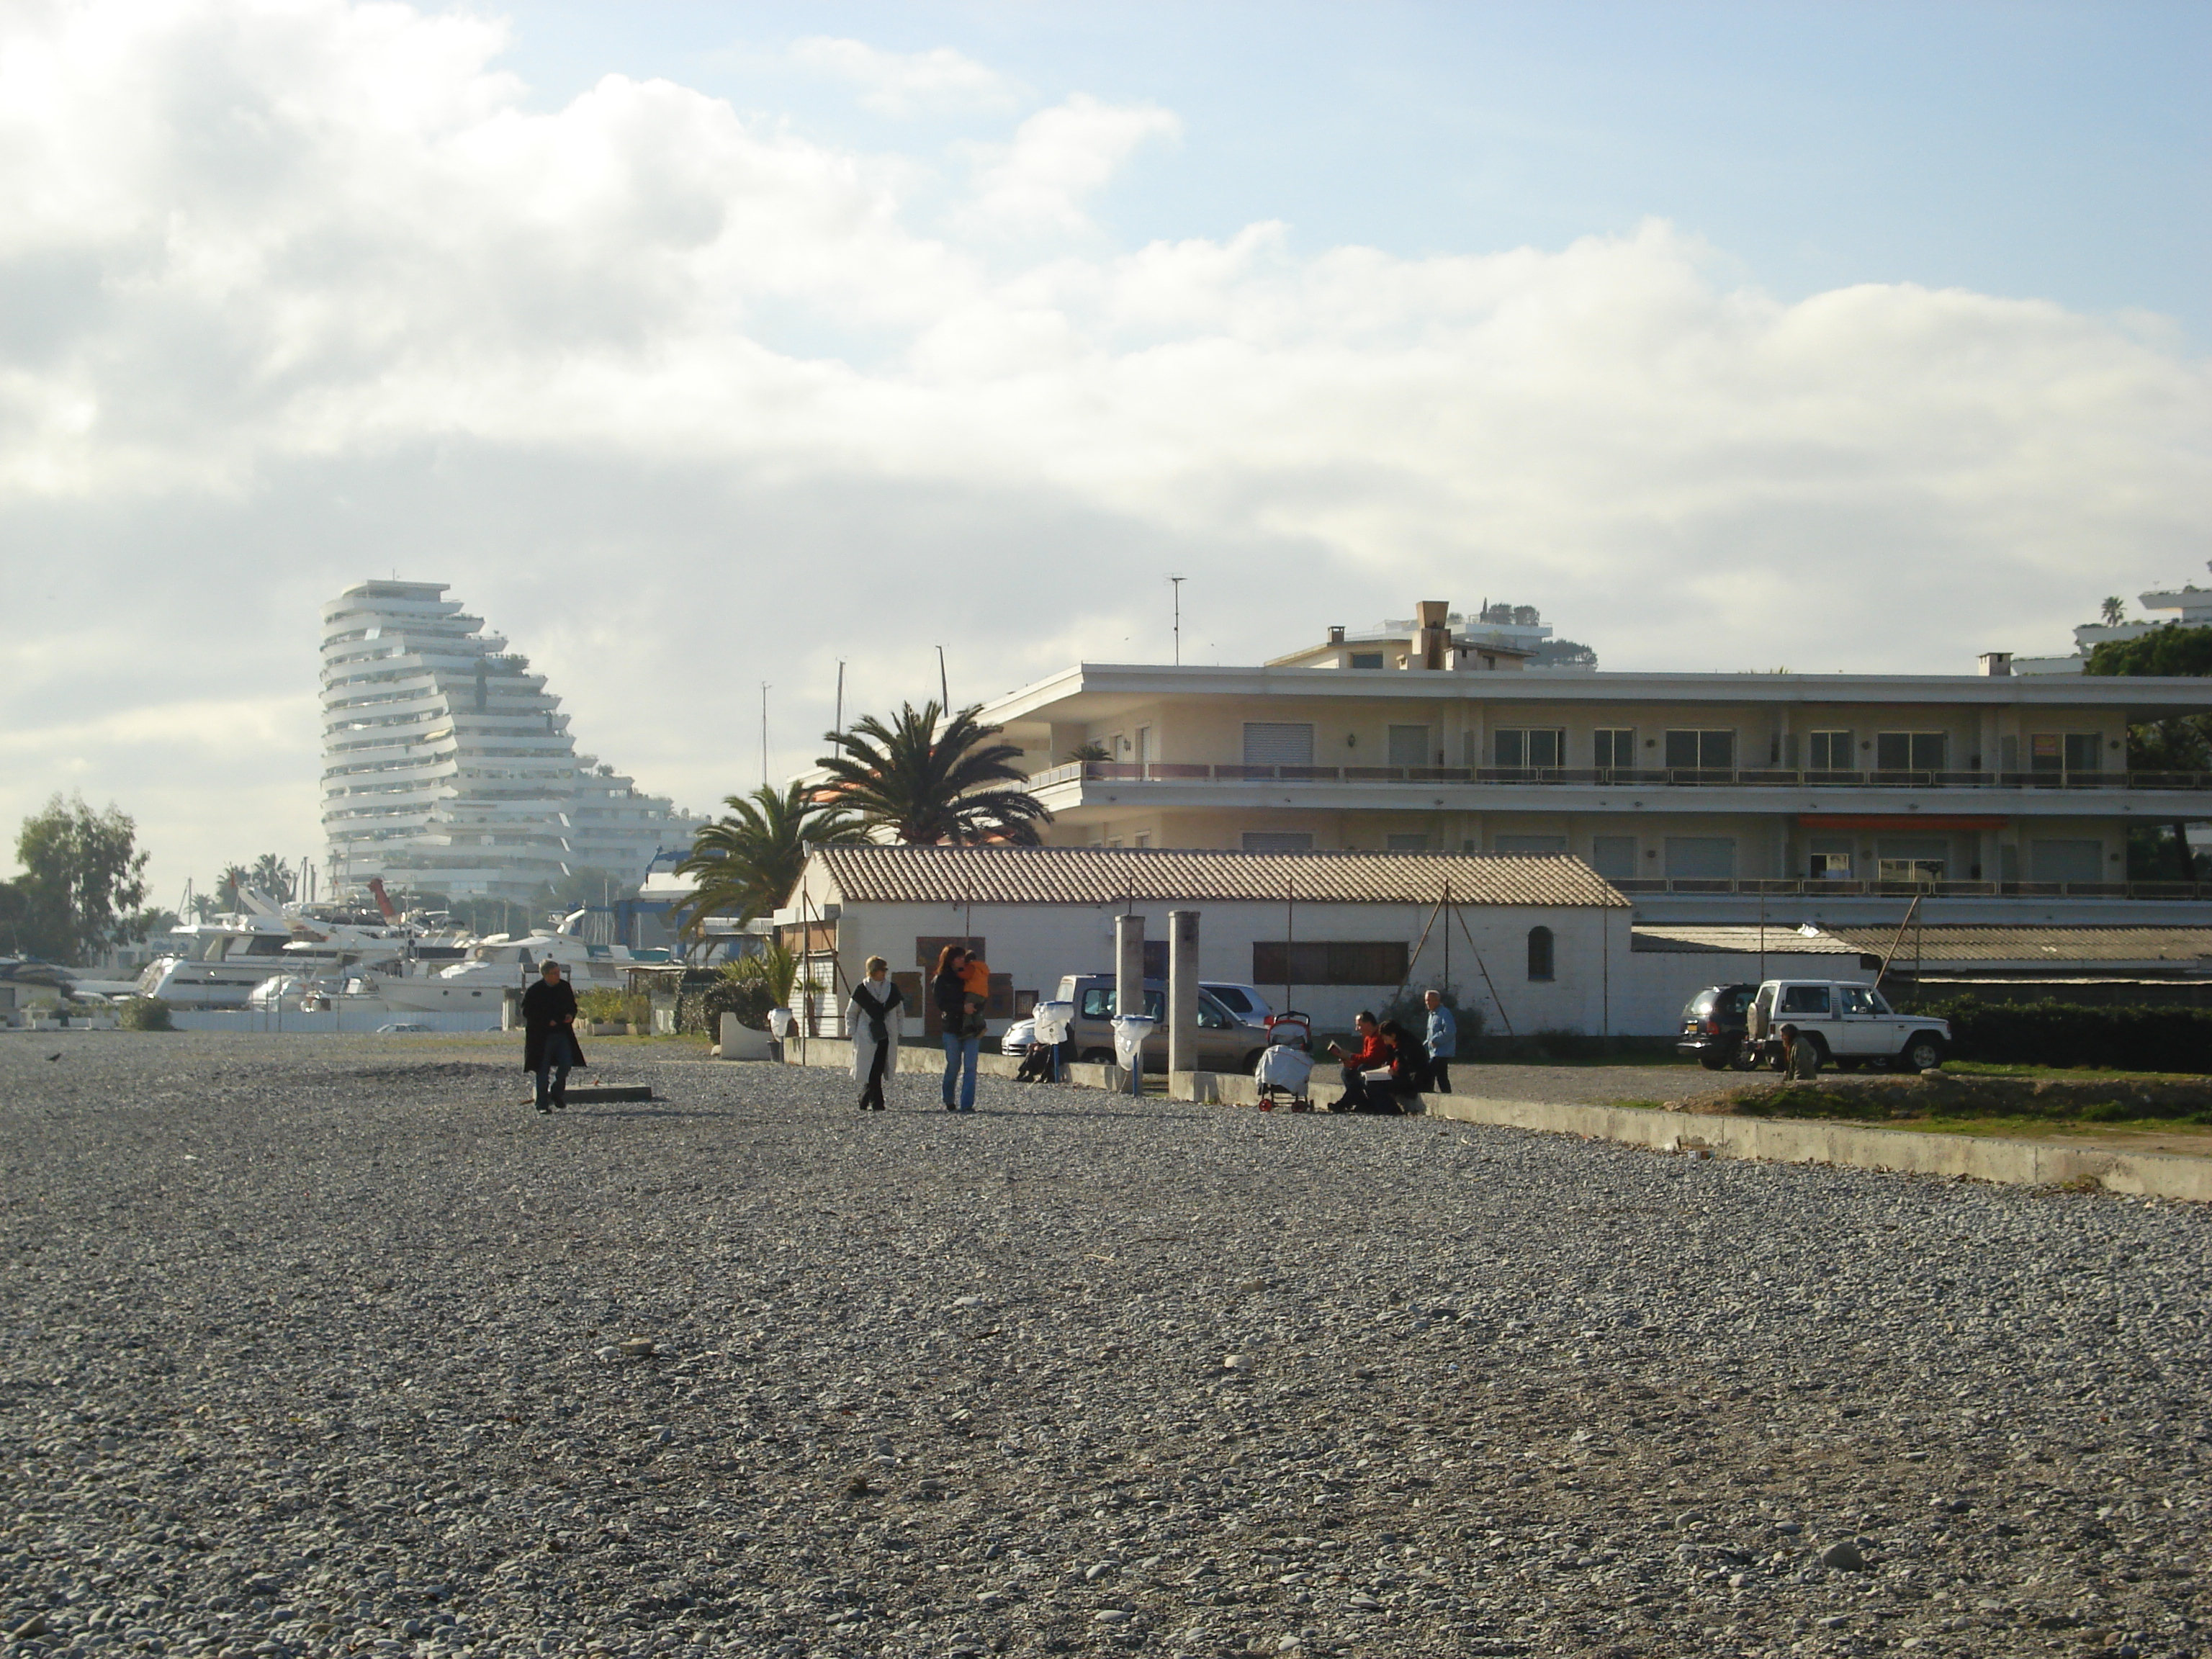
(873, 1017)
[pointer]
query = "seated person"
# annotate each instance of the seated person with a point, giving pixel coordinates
(1373, 1055)
(1409, 1062)
(1037, 1066)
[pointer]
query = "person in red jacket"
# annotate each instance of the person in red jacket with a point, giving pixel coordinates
(1373, 1054)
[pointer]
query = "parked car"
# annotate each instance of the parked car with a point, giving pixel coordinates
(1019, 1038)
(1847, 1025)
(1714, 1024)
(1242, 1000)
(1226, 1043)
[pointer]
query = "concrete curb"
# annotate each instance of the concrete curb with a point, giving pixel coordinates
(1774, 1141)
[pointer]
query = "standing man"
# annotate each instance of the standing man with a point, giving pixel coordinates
(549, 1043)
(1442, 1041)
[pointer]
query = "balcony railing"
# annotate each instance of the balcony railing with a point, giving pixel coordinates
(1662, 778)
(1825, 887)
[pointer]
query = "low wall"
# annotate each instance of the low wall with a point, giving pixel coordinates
(1849, 1145)
(1797, 1141)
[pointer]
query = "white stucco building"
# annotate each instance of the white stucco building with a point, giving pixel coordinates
(448, 766)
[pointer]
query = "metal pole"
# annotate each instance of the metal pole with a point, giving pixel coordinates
(1177, 582)
(944, 691)
(840, 722)
(763, 734)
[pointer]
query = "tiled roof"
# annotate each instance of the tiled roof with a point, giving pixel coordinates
(1669, 939)
(1096, 875)
(1957, 942)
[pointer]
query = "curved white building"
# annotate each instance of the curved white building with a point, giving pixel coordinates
(448, 768)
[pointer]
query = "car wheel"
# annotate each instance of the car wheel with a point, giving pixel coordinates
(1746, 1057)
(1923, 1051)
(1712, 1059)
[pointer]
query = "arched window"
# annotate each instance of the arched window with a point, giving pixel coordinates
(1540, 953)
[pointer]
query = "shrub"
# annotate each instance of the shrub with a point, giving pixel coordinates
(2122, 1038)
(700, 1012)
(146, 1014)
(615, 1005)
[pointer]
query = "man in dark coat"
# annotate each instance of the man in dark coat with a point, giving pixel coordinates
(549, 1044)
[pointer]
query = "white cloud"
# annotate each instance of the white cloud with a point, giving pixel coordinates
(1059, 156)
(906, 82)
(291, 293)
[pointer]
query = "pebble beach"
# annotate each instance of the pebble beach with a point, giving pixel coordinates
(332, 1346)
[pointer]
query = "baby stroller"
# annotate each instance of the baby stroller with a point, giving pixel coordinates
(1285, 1066)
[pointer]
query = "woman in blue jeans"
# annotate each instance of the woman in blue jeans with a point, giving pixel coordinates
(949, 993)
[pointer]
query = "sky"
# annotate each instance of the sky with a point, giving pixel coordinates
(703, 346)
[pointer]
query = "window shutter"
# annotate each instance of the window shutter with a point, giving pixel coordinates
(1278, 743)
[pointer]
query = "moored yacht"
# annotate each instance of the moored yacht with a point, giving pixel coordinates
(502, 962)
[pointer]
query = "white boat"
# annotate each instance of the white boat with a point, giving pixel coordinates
(502, 962)
(222, 962)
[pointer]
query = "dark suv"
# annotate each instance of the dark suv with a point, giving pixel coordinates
(1714, 1025)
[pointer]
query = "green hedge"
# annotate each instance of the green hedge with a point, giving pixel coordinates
(2068, 1034)
(146, 1014)
(700, 1012)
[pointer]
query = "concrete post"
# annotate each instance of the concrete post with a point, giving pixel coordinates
(1129, 980)
(1182, 991)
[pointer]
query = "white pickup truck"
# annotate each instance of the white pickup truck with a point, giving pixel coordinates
(1848, 1026)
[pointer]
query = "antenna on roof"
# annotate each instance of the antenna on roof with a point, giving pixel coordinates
(1176, 583)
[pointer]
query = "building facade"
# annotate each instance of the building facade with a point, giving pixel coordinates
(449, 768)
(1701, 795)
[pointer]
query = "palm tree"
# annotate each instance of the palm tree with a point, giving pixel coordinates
(234, 878)
(749, 860)
(2114, 610)
(927, 783)
(273, 876)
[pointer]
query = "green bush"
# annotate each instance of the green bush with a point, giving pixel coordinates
(615, 1005)
(146, 1014)
(2123, 1038)
(700, 1012)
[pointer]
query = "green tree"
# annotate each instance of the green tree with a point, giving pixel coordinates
(2112, 611)
(747, 861)
(927, 780)
(2183, 744)
(235, 879)
(83, 876)
(272, 877)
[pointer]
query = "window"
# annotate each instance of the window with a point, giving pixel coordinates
(1519, 746)
(1145, 756)
(1278, 743)
(1382, 963)
(1613, 857)
(2069, 751)
(1529, 847)
(2065, 860)
(1613, 748)
(1278, 840)
(1911, 859)
(1364, 660)
(1142, 840)
(1540, 953)
(1857, 999)
(1705, 751)
(1409, 745)
(1830, 751)
(1405, 843)
(1804, 1000)
(1700, 858)
(1909, 751)
(1831, 859)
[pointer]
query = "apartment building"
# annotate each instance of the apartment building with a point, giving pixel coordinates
(448, 767)
(1722, 789)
